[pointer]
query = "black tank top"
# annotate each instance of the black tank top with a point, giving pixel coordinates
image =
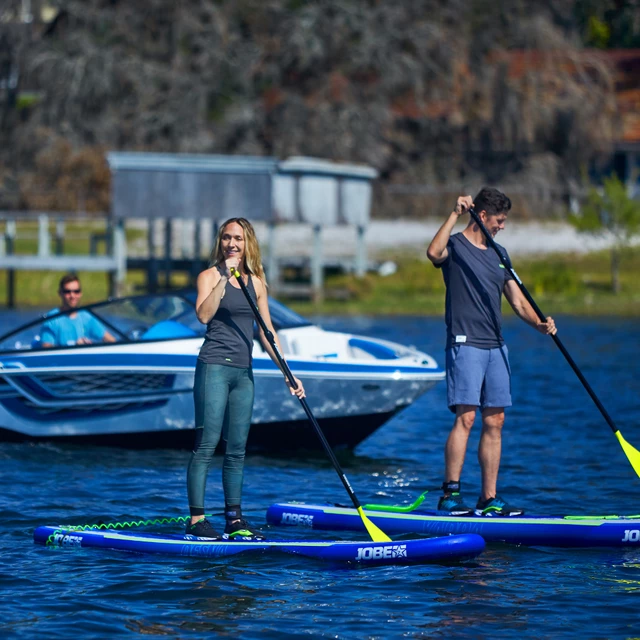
(229, 336)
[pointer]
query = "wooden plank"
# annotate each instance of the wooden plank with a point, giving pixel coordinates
(58, 263)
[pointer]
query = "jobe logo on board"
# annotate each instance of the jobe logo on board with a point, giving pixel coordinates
(67, 540)
(378, 553)
(299, 519)
(631, 535)
(201, 550)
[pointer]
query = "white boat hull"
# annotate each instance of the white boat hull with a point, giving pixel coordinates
(141, 392)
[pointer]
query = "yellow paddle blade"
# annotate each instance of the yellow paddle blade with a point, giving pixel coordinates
(631, 452)
(377, 535)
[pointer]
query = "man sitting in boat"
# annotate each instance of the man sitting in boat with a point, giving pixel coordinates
(74, 327)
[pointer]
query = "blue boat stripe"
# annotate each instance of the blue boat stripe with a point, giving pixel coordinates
(155, 361)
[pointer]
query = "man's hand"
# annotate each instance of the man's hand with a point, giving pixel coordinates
(548, 327)
(463, 205)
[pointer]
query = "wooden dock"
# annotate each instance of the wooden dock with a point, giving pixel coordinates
(114, 263)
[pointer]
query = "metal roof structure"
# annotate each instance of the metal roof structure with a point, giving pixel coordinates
(216, 187)
(167, 185)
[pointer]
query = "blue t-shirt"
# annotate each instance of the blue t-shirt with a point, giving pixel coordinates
(64, 330)
(475, 280)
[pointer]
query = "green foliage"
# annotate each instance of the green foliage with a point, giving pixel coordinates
(609, 211)
(599, 33)
(553, 276)
(27, 99)
(608, 24)
(295, 5)
(560, 283)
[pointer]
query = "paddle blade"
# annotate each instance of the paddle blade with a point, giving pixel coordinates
(377, 535)
(631, 452)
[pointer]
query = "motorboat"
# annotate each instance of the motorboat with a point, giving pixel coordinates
(138, 390)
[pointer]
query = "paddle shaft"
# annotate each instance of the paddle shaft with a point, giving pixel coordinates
(507, 263)
(287, 372)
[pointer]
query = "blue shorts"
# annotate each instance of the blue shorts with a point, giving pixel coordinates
(478, 377)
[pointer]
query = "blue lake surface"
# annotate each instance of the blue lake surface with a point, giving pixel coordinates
(559, 456)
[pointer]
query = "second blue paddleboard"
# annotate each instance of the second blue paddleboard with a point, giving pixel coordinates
(552, 531)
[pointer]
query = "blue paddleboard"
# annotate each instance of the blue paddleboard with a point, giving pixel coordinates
(550, 531)
(445, 548)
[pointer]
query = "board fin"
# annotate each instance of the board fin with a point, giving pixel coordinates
(396, 508)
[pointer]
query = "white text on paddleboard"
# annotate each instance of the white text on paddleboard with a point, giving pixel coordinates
(631, 535)
(299, 519)
(378, 553)
(67, 540)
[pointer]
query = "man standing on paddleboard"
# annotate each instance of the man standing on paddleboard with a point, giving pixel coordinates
(477, 359)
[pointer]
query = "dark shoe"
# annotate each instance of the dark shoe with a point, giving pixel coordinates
(202, 529)
(240, 530)
(497, 507)
(453, 505)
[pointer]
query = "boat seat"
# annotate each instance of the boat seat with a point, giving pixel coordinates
(168, 329)
(378, 351)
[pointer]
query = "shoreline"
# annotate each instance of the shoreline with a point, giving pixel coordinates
(520, 238)
(382, 236)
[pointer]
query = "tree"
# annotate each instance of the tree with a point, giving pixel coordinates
(610, 211)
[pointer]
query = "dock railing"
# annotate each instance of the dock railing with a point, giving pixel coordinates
(51, 235)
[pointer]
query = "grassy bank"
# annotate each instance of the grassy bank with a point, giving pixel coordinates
(560, 284)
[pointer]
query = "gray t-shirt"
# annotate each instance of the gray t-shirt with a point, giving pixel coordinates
(475, 279)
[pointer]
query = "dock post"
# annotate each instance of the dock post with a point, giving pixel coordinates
(117, 284)
(317, 271)
(59, 236)
(10, 236)
(361, 252)
(272, 259)
(44, 250)
(197, 251)
(167, 253)
(152, 264)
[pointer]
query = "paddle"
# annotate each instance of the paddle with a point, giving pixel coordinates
(633, 455)
(377, 535)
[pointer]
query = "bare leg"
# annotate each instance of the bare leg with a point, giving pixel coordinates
(490, 450)
(456, 446)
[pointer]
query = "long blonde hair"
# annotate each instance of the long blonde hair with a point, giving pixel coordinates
(252, 262)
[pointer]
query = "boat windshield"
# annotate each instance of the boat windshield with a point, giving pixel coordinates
(134, 319)
(281, 316)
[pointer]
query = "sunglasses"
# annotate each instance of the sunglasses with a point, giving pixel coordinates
(67, 291)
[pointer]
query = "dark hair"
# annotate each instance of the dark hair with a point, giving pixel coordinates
(492, 201)
(66, 279)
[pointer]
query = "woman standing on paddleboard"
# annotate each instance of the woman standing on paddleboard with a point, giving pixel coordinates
(223, 384)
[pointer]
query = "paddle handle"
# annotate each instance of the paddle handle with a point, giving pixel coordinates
(287, 372)
(507, 263)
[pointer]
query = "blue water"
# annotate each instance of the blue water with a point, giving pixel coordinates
(559, 457)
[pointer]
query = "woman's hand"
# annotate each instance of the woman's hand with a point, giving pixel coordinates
(229, 264)
(296, 392)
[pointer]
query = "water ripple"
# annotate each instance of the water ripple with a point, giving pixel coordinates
(559, 456)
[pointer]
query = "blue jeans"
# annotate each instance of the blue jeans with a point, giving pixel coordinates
(223, 399)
